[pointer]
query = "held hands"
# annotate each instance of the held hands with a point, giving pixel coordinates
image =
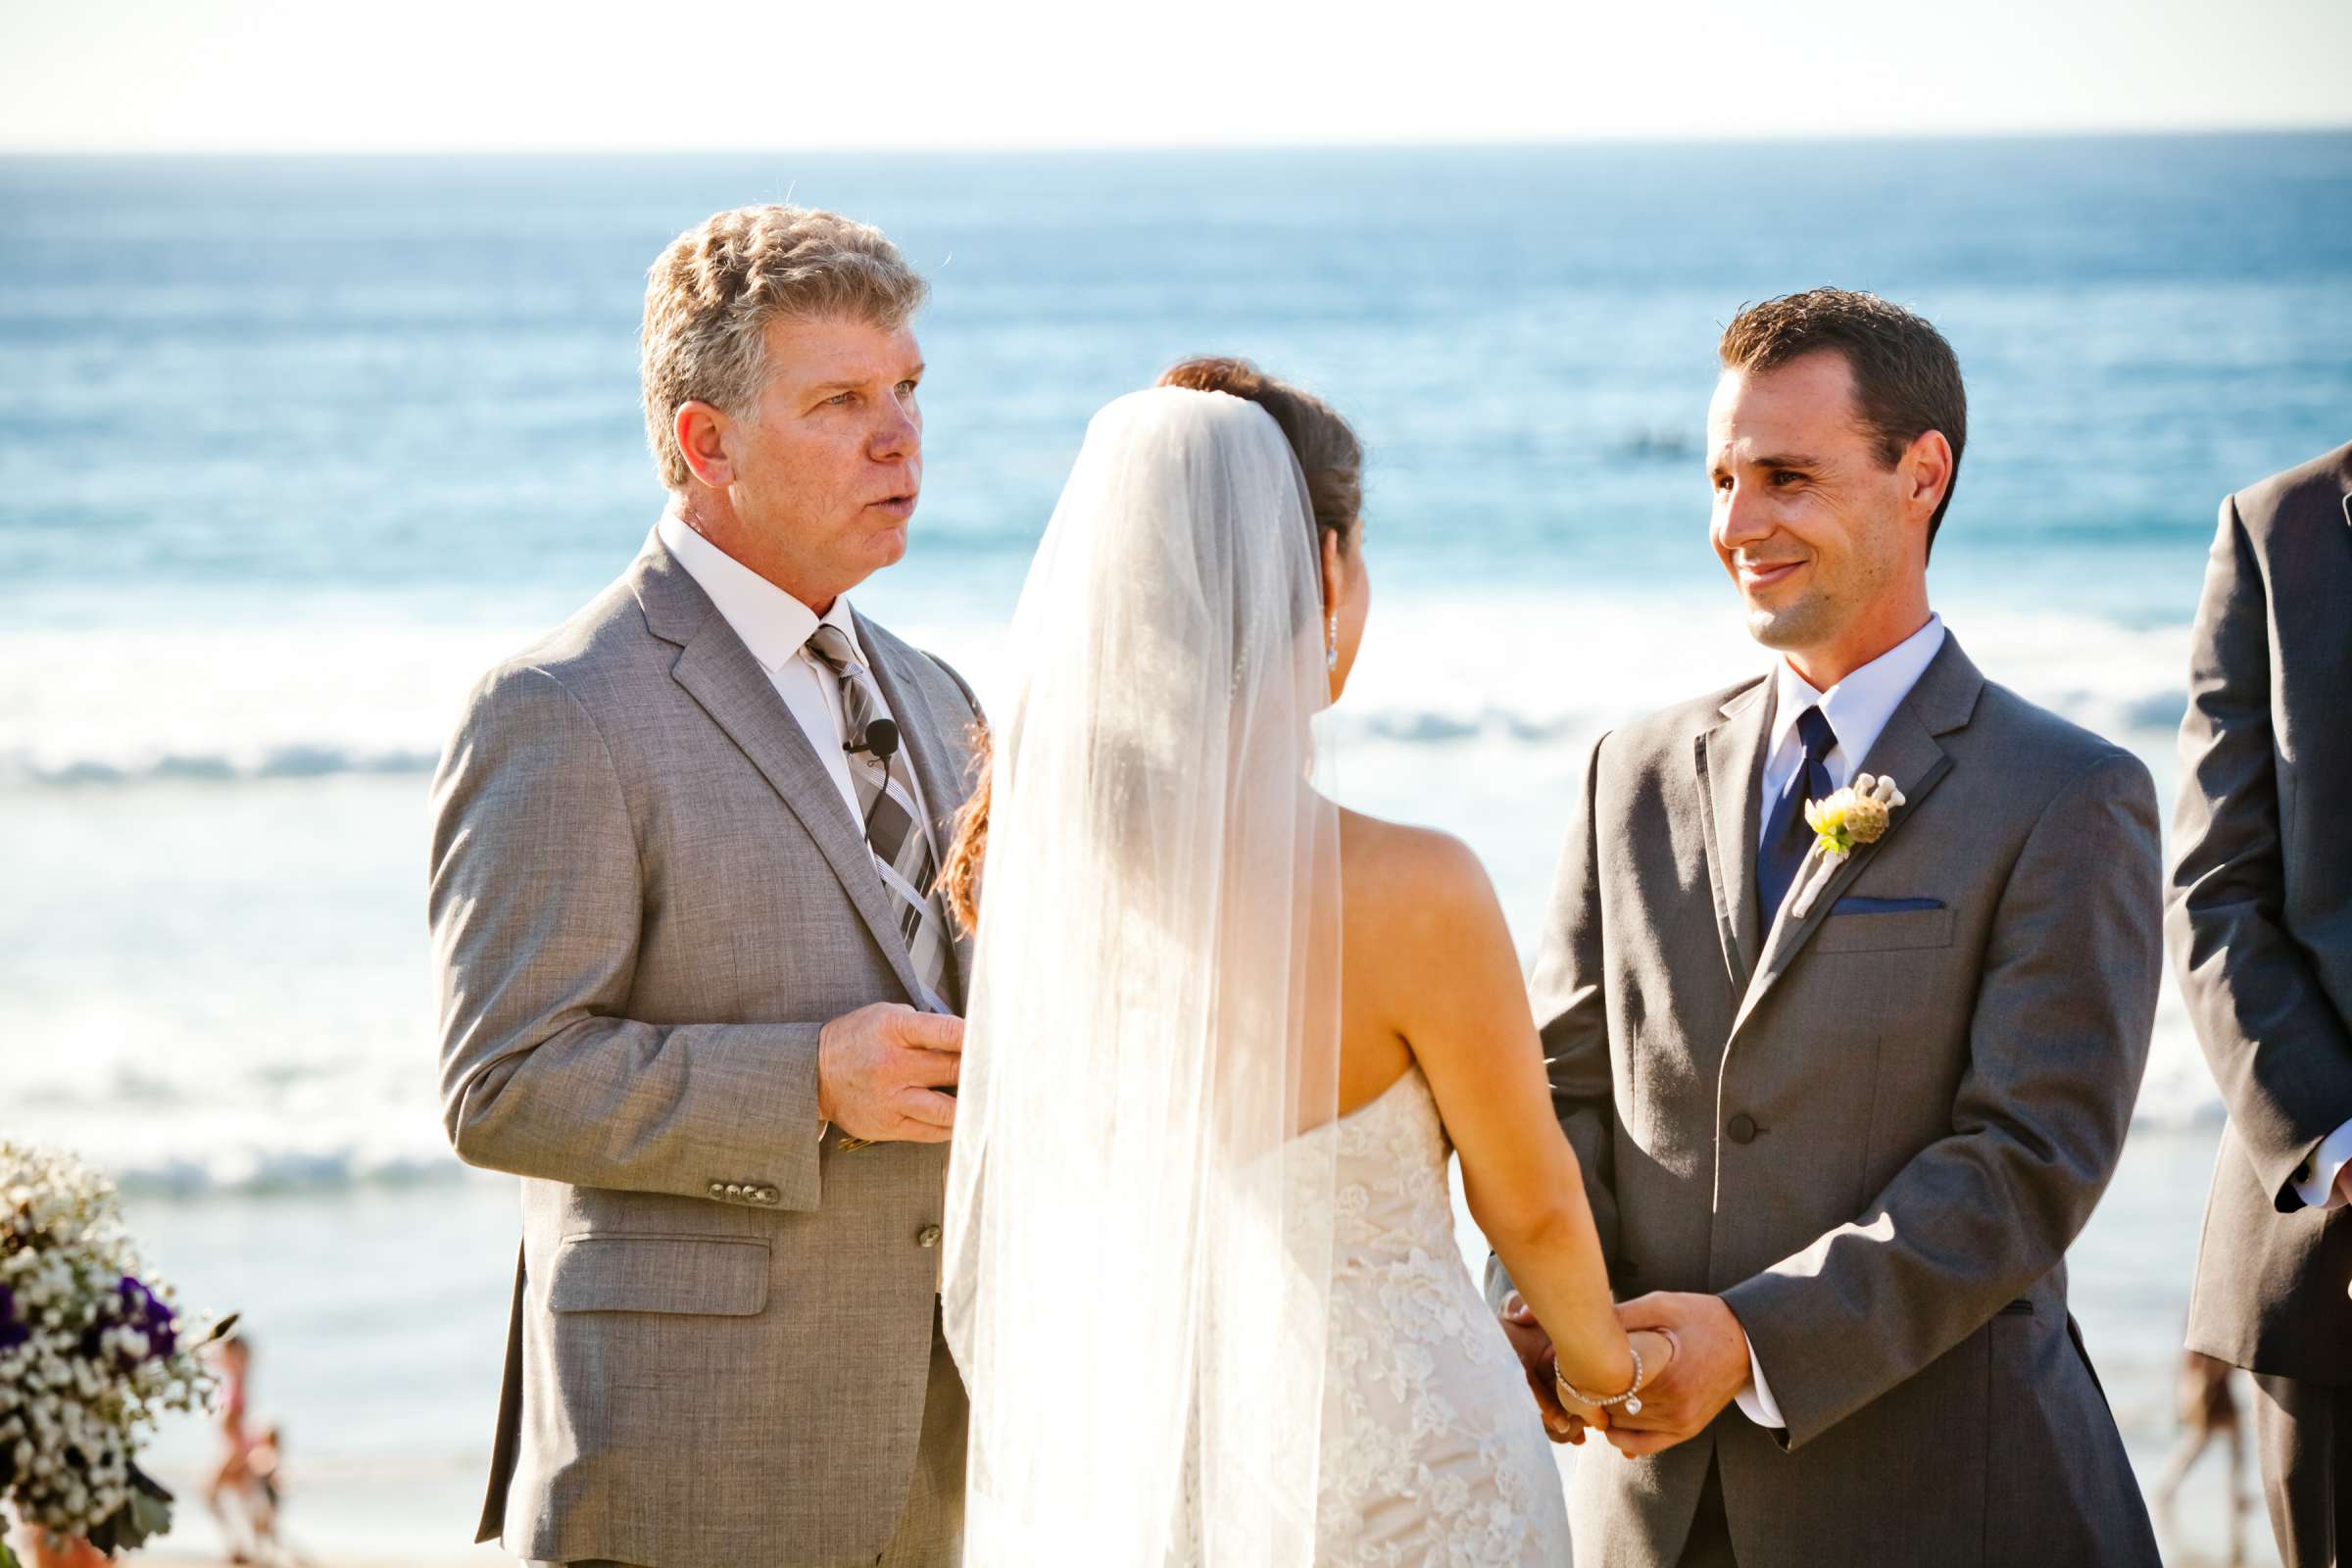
(1652, 1350)
(879, 1071)
(1565, 1419)
(1707, 1374)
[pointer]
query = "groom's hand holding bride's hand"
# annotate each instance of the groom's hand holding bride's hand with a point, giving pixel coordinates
(879, 1071)
(1566, 1420)
(1709, 1369)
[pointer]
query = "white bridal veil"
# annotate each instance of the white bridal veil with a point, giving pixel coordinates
(1140, 1240)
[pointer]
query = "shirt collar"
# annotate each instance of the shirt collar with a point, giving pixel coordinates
(1859, 706)
(772, 623)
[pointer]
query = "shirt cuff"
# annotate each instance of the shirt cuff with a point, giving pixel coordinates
(2334, 1152)
(1755, 1401)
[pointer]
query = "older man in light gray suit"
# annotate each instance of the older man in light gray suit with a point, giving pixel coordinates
(695, 987)
(1842, 1118)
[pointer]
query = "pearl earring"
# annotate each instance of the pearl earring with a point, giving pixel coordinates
(1331, 647)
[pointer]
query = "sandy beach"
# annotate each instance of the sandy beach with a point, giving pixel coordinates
(472, 1559)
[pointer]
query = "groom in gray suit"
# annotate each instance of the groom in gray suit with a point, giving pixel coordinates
(696, 988)
(1841, 1117)
(2260, 929)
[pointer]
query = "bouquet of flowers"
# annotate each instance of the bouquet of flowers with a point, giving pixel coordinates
(90, 1354)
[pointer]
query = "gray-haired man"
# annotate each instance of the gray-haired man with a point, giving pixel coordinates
(695, 987)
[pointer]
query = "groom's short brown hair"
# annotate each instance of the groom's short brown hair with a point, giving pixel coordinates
(710, 297)
(1906, 377)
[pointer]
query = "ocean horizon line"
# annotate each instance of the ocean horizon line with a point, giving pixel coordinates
(1112, 151)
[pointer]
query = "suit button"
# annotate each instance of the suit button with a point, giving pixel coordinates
(928, 1235)
(734, 1190)
(765, 1195)
(1742, 1128)
(718, 1189)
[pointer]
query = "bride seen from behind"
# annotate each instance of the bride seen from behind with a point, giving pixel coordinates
(1223, 1038)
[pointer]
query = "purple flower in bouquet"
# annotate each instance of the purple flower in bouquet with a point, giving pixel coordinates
(152, 1316)
(140, 1310)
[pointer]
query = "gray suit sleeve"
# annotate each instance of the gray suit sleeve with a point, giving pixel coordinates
(1572, 1017)
(2277, 1045)
(536, 897)
(2057, 1044)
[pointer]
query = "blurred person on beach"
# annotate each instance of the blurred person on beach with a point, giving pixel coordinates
(266, 1464)
(243, 1491)
(1226, 1040)
(696, 986)
(1845, 1081)
(231, 1479)
(2207, 1410)
(2259, 921)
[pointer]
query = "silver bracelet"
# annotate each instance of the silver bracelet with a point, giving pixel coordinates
(1630, 1398)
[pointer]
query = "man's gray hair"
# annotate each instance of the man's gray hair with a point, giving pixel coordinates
(710, 295)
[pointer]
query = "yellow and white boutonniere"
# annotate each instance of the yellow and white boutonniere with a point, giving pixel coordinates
(1857, 814)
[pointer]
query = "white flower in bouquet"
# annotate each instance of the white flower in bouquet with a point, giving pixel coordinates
(90, 1352)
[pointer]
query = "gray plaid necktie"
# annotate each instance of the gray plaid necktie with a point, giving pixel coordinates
(894, 828)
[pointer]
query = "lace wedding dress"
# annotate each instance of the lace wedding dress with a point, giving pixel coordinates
(1431, 1449)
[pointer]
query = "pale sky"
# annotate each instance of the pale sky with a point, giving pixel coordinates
(486, 76)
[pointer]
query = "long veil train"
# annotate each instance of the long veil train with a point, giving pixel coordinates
(1139, 1245)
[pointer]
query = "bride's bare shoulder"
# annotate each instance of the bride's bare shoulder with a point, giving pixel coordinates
(1414, 882)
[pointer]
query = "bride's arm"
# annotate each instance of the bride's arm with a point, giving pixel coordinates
(1462, 1006)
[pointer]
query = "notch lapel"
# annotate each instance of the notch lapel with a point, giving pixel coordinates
(1907, 751)
(1731, 759)
(719, 672)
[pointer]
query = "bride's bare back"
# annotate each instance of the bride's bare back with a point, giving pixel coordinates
(1429, 978)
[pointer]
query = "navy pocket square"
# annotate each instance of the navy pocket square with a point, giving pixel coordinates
(1860, 905)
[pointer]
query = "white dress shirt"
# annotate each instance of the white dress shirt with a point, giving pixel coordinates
(1857, 708)
(2318, 1189)
(776, 628)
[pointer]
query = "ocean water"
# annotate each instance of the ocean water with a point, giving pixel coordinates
(290, 450)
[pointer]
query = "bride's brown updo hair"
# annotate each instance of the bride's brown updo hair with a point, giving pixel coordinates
(1332, 461)
(1326, 447)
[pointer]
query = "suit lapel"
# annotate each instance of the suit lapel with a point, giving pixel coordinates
(1731, 759)
(1907, 751)
(718, 672)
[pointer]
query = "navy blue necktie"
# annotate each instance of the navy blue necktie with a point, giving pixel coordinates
(1786, 837)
